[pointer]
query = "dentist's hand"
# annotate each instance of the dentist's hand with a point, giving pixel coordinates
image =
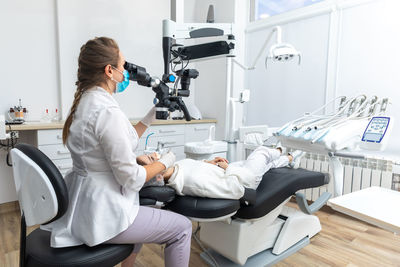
(150, 117)
(168, 159)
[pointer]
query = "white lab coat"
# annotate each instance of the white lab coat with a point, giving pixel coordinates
(198, 178)
(104, 183)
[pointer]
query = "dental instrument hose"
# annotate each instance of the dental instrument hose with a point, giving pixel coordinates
(10, 145)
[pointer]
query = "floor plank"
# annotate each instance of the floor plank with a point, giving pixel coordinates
(343, 241)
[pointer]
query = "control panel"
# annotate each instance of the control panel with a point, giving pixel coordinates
(376, 134)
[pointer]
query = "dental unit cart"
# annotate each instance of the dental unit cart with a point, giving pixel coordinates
(357, 123)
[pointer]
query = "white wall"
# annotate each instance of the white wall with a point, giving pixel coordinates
(40, 42)
(283, 91)
(361, 40)
(42, 37)
(369, 57)
(28, 56)
(135, 25)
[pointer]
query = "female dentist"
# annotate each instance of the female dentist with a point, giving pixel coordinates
(105, 180)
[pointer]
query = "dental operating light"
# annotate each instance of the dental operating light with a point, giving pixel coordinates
(279, 52)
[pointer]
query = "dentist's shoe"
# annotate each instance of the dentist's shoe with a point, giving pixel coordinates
(297, 155)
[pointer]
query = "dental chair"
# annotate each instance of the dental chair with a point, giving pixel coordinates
(251, 235)
(43, 198)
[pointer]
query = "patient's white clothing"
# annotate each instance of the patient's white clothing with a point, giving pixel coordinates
(198, 178)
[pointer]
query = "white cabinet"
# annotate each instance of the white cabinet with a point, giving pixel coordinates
(197, 132)
(168, 136)
(50, 143)
(49, 137)
(171, 136)
(165, 130)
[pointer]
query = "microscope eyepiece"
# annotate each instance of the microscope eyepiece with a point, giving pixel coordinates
(137, 74)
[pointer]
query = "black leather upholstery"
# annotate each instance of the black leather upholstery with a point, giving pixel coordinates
(40, 254)
(52, 173)
(276, 186)
(151, 194)
(204, 208)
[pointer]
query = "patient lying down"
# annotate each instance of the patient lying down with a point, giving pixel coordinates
(217, 178)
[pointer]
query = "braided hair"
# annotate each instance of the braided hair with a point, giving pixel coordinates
(94, 56)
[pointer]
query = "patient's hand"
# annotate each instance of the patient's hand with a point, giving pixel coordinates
(217, 160)
(222, 164)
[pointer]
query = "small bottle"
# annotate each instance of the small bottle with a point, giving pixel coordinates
(46, 116)
(56, 115)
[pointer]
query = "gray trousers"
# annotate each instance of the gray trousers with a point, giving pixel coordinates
(158, 226)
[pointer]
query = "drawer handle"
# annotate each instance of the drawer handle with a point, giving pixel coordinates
(200, 129)
(63, 167)
(62, 152)
(168, 143)
(167, 131)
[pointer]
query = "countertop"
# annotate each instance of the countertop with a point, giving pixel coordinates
(28, 126)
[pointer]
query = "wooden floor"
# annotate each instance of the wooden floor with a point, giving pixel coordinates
(343, 241)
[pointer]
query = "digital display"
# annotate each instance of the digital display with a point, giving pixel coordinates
(376, 129)
(372, 137)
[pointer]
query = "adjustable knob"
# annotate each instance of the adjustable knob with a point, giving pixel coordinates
(171, 78)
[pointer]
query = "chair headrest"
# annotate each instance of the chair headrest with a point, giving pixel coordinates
(40, 184)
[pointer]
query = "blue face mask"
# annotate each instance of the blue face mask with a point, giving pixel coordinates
(121, 86)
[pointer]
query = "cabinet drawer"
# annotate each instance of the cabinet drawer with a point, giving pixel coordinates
(164, 130)
(197, 132)
(55, 151)
(49, 137)
(169, 141)
(63, 165)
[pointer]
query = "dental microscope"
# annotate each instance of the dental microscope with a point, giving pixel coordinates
(169, 99)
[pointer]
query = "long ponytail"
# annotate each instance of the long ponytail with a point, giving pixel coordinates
(94, 56)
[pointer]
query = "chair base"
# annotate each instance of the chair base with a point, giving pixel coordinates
(264, 258)
(238, 240)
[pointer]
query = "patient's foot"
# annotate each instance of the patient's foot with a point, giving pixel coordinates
(296, 157)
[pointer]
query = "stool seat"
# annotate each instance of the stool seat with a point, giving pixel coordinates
(40, 254)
